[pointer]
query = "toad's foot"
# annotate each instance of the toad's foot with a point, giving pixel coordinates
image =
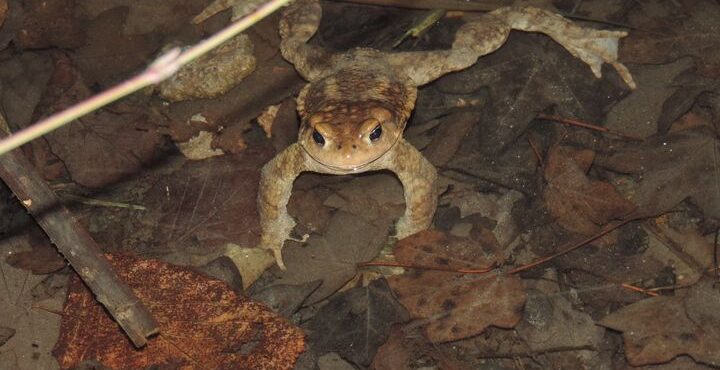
(594, 47)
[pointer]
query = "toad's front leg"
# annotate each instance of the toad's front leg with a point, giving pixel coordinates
(418, 177)
(276, 183)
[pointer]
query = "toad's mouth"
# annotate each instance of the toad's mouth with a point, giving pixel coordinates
(346, 168)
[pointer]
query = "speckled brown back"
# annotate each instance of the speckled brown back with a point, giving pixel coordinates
(350, 92)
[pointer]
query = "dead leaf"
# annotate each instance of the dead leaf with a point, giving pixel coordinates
(455, 305)
(250, 262)
(356, 322)
(332, 258)
(578, 203)
(658, 329)
(33, 317)
(199, 147)
(212, 202)
(50, 23)
(3, 11)
(285, 299)
(267, 118)
(24, 81)
(551, 324)
(681, 31)
(311, 215)
(6, 334)
(377, 198)
(203, 323)
(163, 17)
(672, 167)
(524, 77)
(408, 349)
(101, 147)
(642, 113)
(42, 258)
(108, 54)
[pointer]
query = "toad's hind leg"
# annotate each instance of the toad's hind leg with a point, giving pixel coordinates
(487, 33)
(298, 24)
(418, 177)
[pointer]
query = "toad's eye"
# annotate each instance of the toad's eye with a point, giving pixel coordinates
(376, 133)
(319, 139)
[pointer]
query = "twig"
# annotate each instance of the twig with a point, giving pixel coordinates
(527, 266)
(433, 268)
(103, 203)
(570, 248)
(578, 123)
(162, 68)
(535, 150)
(638, 289)
(76, 245)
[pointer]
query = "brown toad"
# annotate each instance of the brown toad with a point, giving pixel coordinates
(356, 105)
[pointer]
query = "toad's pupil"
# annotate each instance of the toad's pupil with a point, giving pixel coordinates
(318, 137)
(376, 132)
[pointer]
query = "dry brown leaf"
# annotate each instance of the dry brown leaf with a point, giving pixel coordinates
(456, 305)
(212, 202)
(203, 324)
(658, 329)
(51, 23)
(673, 167)
(104, 146)
(3, 11)
(689, 29)
(579, 204)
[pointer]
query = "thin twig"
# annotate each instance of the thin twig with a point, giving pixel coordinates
(433, 268)
(527, 266)
(590, 126)
(570, 248)
(162, 68)
(535, 150)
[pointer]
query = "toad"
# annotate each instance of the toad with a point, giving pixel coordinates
(355, 107)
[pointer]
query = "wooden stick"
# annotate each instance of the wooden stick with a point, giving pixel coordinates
(76, 245)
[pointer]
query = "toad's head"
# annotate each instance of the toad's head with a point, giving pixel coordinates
(347, 137)
(353, 117)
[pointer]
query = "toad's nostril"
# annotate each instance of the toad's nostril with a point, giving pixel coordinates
(339, 147)
(354, 146)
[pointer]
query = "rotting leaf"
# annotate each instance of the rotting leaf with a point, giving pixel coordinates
(3, 11)
(578, 203)
(662, 40)
(525, 77)
(42, 258)
(333, 258)
(408, 349)
(356, 322)
(656, 330)
(109, 54)
(456, 305)
(285, 299)
(202, 321)
(673, 167)
(101, 147)
(212, 202)
(50, 24)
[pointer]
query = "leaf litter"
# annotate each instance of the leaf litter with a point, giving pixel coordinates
(534, 185)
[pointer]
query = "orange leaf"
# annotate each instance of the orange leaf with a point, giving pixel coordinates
(203, 324)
